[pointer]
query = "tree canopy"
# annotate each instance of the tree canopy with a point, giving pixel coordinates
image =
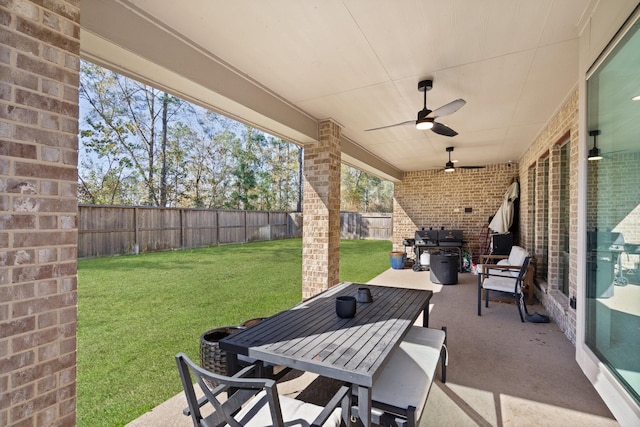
(142, 146)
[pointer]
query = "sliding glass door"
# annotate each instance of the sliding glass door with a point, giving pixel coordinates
(613, 212)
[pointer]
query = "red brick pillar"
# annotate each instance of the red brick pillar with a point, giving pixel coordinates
(321, 211)
(39, 68)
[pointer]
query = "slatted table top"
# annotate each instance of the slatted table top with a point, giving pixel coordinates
(311, 337)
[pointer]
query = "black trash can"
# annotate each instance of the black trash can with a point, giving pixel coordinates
(444, 268)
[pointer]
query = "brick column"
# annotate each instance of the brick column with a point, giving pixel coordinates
(39, 65)
(555, 254)
(541, 220)
(321, 211)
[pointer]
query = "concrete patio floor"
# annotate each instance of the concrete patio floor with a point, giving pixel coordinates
(501, 372)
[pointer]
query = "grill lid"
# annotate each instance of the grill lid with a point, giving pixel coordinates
(427, 238)
(450, 237)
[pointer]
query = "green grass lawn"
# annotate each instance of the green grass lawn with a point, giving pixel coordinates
(136, 312)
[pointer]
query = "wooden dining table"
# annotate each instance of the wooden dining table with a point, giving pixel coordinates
(311, 337)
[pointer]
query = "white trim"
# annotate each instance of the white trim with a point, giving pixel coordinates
(617, 398)
(619, 35)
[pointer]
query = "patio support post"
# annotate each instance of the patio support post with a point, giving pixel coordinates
(38, 198)
(321, 211)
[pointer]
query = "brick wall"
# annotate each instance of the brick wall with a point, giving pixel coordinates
(546, 150)
(321, 211)
(39, 64)
(434, 198)
(608, 187)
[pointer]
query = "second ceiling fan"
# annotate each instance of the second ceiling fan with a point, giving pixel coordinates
(426, 117)
(450, 165)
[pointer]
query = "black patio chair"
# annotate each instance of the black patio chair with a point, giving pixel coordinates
(255, 402)
(504, 279)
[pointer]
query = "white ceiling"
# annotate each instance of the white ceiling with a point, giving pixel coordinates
(281, 65)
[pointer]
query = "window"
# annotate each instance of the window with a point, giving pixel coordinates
(531, 212)
(564, 218)
(612, 315)
(542, 218)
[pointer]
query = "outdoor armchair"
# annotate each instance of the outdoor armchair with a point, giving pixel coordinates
(253, 402)
(503, 278)
(515, 258)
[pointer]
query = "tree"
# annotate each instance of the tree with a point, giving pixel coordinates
(105, 183)
(245, 183)
(363, 192)
(124, 122)
(209, 162)
(142, 146)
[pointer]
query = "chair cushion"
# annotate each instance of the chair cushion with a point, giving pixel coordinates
(517, 255)
(498, 283)
(512, 271)
(407, 377)
(294, 413)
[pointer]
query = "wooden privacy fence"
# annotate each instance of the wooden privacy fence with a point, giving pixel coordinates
(358, 225)
(115, 230)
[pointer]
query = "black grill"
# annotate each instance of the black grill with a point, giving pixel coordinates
(446, 241)
(426, 238)
(450, 238)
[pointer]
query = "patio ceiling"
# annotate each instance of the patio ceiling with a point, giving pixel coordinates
(283, 65)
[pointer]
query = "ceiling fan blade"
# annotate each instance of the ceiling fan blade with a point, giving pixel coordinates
(447, 109)
(471, 167)
(441, 129)
(390, 126)
(614, 152)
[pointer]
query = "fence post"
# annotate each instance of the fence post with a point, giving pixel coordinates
(182, 228)
(136, 243)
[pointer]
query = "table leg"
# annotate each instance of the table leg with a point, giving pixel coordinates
(232, 364)
(479, 293)
(364, 405)
(232, 368)
(425, 316)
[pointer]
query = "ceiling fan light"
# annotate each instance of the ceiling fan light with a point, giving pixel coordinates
(424, 124)
(449, 167)
(594, 154)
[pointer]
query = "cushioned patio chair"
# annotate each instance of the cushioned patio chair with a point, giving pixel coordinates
(255, 402)
(506, 279)
(516, 257)
(400, 393)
